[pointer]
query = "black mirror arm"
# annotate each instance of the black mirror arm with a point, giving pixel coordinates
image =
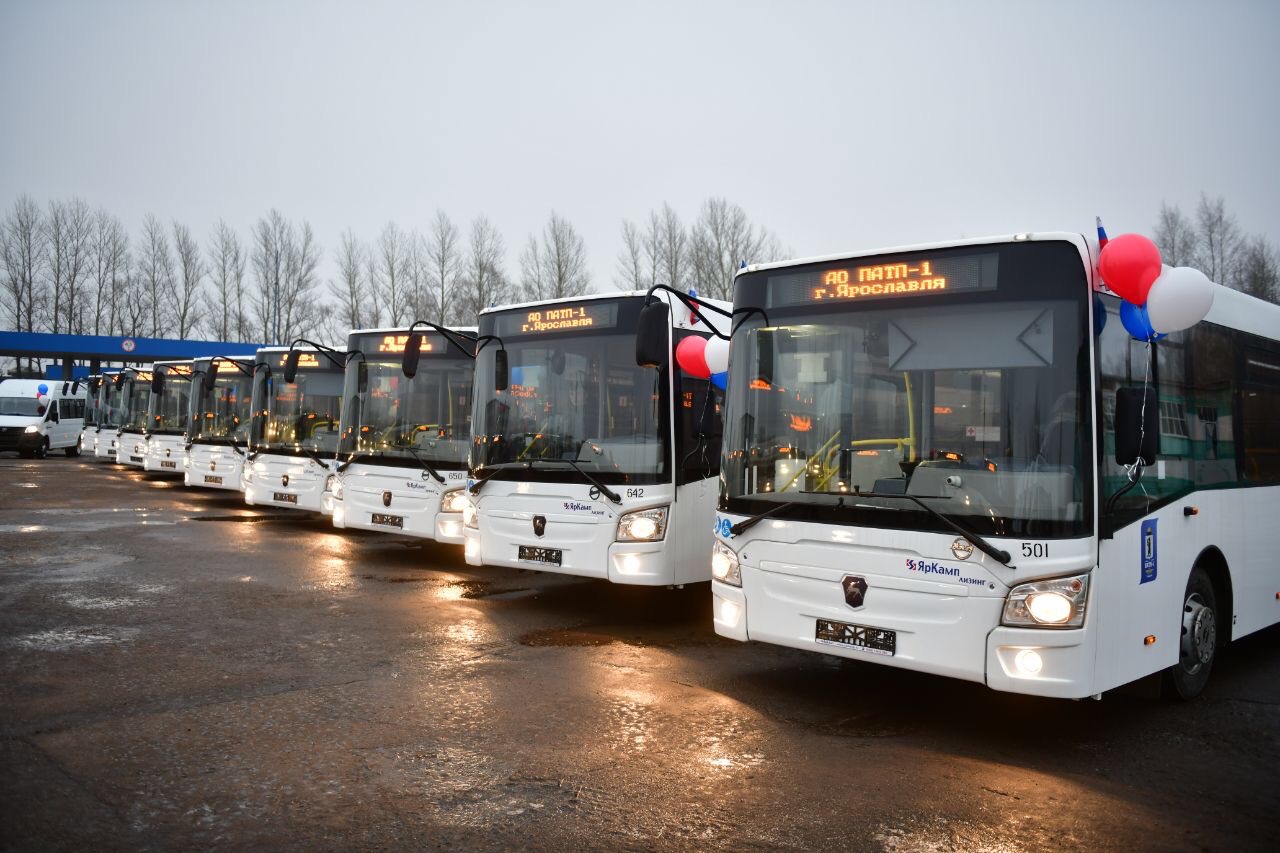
(484, 340)
(328, 352)
(695, 307)
(458, 339)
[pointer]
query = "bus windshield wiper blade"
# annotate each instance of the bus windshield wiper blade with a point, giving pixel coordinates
(604, 490)
(748, 523)
(495, 470)
(973, 538)
(352, 459)
(323, 463)
(424, 463)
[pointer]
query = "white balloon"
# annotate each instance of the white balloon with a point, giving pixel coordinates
(717, 355)
(1179, 298)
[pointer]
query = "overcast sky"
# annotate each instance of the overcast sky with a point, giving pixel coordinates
(838, 125)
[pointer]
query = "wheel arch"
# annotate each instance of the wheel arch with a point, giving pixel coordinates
(1214, 564)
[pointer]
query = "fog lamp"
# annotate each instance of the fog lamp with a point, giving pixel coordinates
(1028, 662)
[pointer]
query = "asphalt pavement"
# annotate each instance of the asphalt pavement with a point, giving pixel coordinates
(178, 670)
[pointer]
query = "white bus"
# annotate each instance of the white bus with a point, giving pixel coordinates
(92, 407)
(221, 409)
(112, 401)
(406, 430)
(39, 415)
(583, 462)
(168, 417)
(132, 450)
(931, 463)
(293, 437)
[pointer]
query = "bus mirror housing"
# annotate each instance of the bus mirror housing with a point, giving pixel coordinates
(1137, 426)
(652, 334)
(157, 381)
(291, 365)
(412, 352)
(501, 375)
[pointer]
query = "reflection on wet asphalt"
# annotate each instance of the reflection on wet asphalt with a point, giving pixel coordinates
(261, 680)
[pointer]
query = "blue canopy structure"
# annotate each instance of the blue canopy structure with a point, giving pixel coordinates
(111, 348)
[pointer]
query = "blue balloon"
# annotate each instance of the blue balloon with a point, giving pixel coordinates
(1136, 322)
(720, 379)
(1099, 315)
(42, 389)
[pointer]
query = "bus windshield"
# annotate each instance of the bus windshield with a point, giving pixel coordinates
(137, 391)
(171, 407)
(110, 404)
(574, 392)
(977, 400)
(221, 413)
(392, 417)
(298, 416)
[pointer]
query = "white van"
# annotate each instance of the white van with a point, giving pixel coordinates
(39, 415)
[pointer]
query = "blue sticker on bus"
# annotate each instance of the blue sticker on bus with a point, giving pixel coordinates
(1148, 551)
(723, 527)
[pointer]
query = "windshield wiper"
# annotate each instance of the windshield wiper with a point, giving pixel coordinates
(748, 523)
(973, 538)
(604, 490)
(494, 471)
(307, 451)
(424, 463)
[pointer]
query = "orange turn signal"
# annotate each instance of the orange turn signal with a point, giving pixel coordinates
(1149, 640)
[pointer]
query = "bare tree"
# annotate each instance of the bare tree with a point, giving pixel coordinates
(226, 273)
(110, 270)
(350, 288)
(482, 282)
(154, 267)
(556, 266)
(1259, 269)
(391, 257)
(670, 242)
(268, 255)
(1219, 241)
(443, 255)
(1175, 236)
(722, 239)
(70, 229)
(186, 288)
(300, 313)
(23, 250)
(633, 273)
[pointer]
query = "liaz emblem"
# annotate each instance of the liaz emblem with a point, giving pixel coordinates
(284, 479)
(539, 524)
(386, 499)
(855, 590)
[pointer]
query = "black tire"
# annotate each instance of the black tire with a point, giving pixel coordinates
(27, 454)
(1197, 641)
(42, 449)
(73, 451)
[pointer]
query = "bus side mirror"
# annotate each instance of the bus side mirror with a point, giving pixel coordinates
(764, 356)
(291, 365)
(412, 352)
(1137, 426)
(362, 375)
(157, 381)
(501, 375)
(652, 335)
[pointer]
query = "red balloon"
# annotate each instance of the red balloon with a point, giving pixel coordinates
(691, 356)
(1130, 264)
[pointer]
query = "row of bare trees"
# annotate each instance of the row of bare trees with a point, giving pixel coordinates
(1213, 242)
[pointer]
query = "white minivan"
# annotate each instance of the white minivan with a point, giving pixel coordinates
(39, 415)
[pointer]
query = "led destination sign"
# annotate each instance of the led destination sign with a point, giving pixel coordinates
(913, 275)
(305, 359)
(558, 318)
(375, 346)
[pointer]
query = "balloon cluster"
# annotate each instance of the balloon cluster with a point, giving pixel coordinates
(42, 397)
(1158, 299)
(704, 358)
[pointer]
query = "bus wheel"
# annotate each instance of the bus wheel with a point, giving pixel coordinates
(1198, 644)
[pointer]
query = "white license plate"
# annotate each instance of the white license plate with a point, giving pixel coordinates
(285, 498)
(877, 641)
(209, 478)
(168, 463)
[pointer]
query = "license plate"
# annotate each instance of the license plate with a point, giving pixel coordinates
(111, 451)
(217, 481)
(285, 498)
(168, 463)
(387, 520)
(532, 554)
(877, 641)
(135, 458)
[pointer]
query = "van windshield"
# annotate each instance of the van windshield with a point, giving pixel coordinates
(25, 407)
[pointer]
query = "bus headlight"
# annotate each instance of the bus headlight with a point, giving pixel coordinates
(1057, 603)
(646, 525)
(454, 501)
(470, 515)
(724, 565)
